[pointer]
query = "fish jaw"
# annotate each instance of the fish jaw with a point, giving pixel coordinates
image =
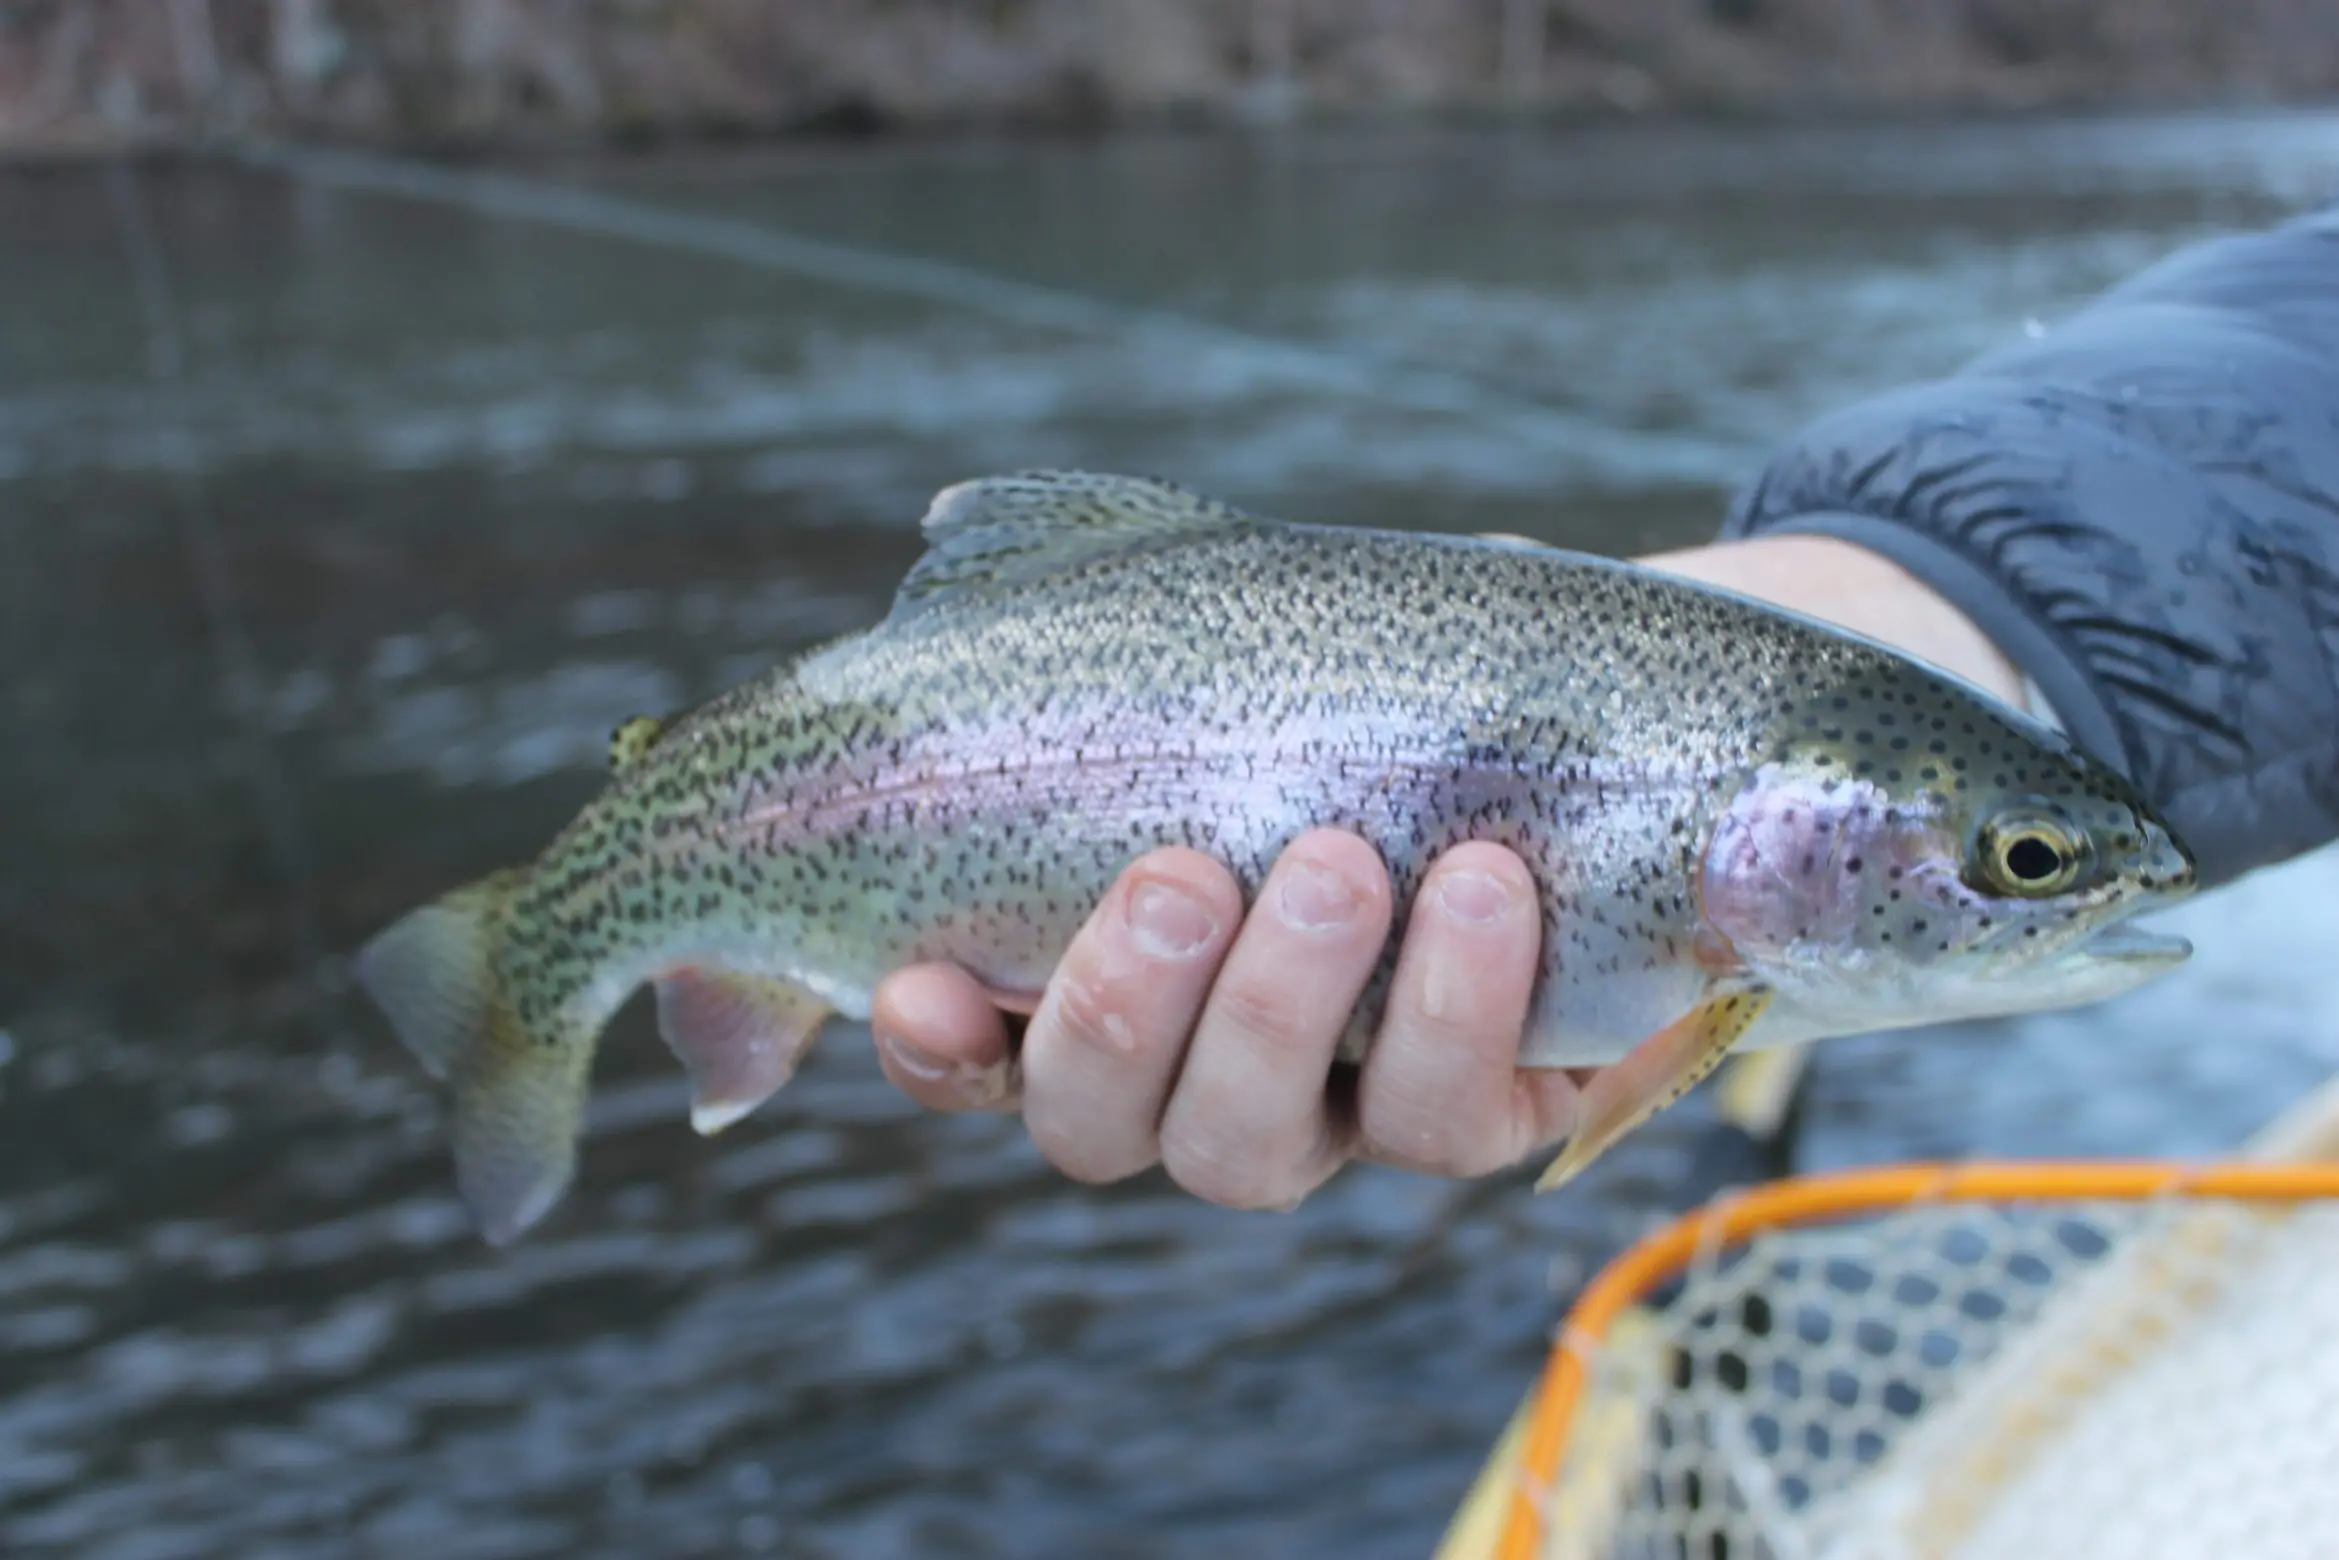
(2109, 962)
(2126, 944)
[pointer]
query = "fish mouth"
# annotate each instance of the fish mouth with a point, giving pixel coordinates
(2124, 942)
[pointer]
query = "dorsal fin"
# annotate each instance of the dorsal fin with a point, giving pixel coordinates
(998, 532)
(632, 739)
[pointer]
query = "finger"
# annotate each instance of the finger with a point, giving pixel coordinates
(1442, 1091)
(1247, 1124)
(941, 1040)
(1105, 1044)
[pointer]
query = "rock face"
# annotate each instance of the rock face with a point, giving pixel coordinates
(86, 74)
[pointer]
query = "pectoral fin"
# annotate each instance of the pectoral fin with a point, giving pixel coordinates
(739, 1035)
(1655, 1073)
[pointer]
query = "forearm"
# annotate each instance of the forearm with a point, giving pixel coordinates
(1856, 589)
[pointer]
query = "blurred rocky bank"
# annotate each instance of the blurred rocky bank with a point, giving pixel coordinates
(83, 75)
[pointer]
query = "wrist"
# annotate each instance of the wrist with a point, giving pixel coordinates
(1844, 584)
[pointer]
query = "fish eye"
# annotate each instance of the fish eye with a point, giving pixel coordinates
(2031, 854)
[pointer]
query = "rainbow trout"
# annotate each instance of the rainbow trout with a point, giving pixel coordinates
(1746, 827)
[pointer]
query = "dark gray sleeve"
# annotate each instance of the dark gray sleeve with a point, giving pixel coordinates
(2141, 507)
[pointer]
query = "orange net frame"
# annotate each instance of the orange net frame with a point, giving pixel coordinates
(1818, 1200)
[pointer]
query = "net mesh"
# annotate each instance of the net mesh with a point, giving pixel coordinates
(1974, 1380)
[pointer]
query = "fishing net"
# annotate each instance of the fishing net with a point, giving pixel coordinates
(1982, 1361)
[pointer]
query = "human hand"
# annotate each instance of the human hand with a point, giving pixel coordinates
(1177, 1031)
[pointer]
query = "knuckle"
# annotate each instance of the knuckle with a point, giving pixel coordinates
(1202, 1163)
(1423, 1136)
(1474, 1158)
(1260, 1009)
(1090, 1015)
(1464, 990)
(1083, 1152)
(1436, 1012)
(1095, 1169)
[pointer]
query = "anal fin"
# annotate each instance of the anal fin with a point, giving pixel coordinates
(740, 1036)
(1655, 1073)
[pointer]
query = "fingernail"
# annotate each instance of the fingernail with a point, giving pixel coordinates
(1314, 899)
(918, 1064)
(1170, 922)
(1474, 896)
(977, 1085)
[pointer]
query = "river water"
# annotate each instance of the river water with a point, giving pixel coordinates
(343, 509)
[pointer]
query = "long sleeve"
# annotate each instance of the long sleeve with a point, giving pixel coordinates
(2141, 507)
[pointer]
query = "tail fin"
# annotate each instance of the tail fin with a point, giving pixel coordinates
(519, 1097)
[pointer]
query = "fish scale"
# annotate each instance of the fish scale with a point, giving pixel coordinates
(1083, 668)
